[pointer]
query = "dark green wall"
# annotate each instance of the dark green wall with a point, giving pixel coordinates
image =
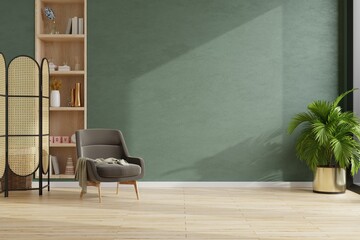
(17, 29)
(202, 89)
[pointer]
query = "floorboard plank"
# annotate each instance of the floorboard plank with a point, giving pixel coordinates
(181, 213)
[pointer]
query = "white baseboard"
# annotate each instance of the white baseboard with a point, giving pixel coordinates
(194, 184)
(225, 184)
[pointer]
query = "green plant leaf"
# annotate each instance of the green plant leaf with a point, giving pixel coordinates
(329, 137)
(299, 119)
(341, 96)
(320, 109)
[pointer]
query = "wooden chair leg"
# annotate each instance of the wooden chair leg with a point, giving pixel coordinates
(94, 184)
(134, 183)
(136, 190)
(117, 188)
(99, 191)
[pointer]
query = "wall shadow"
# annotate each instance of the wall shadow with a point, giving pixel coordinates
(260, 158)
(129, 38)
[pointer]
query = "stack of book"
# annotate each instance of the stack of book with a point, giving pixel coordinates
(69, 169)
(75, 26)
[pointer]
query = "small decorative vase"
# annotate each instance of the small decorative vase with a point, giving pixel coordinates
(77, 95)
(55, 98)
(52, 27)
(72, 95)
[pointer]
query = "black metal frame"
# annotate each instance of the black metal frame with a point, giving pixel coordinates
(346, 36)
(40, 135)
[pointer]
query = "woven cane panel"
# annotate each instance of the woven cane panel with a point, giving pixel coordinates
(2, 156)
(2, 136)
(45, 78)
(2, 74)
(23, 116)
(2, 98)
(23, 155)
(45, 116)
(45, 152)
(23, 77)
(2, 115)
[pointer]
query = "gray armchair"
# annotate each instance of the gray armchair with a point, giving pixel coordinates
(106, 143)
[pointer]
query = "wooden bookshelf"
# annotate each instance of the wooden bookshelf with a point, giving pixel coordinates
(64, 48)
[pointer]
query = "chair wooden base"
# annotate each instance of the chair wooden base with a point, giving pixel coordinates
(97, 184)
(93, 184)
(131, 183)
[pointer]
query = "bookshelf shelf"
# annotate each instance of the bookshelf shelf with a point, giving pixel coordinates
(69, 73)
(68, 109)
(62, 145)
(61, 37)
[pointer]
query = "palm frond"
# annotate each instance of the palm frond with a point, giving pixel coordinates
(320, 109)
(343, 150)
(355, 165)
(321, 132)
(299, 119)
(341, 96)
(308, 149)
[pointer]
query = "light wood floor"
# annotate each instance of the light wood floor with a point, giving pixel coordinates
(181, 213)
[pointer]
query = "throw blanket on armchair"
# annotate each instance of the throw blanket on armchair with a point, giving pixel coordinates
(81, 172)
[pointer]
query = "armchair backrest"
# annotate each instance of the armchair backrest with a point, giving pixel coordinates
(100, 143)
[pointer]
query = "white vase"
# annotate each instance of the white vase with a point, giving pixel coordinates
(55, 98)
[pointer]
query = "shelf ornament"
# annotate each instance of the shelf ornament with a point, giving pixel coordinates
(55, 86)
(50, 15)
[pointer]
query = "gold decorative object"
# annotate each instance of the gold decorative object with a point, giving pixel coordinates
(72, 102)
(329, 180)
(77, 95)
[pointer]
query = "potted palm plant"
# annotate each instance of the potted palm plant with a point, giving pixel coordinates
(328, 143)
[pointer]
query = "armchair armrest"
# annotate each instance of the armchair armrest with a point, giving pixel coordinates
(138, 161)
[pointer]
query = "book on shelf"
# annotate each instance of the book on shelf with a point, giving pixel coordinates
(55, 165)
(81, 26)
(68, 27)
(74, 25)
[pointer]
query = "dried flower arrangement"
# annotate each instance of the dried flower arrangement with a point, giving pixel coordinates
(51, 25)
(55, 84)
(49, 13)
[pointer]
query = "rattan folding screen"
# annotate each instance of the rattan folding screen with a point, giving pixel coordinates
(2, 115)
(24, 123)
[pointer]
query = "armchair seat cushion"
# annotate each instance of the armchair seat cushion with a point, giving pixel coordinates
(117, 171)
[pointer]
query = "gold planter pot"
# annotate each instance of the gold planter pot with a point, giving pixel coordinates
(329, 180)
